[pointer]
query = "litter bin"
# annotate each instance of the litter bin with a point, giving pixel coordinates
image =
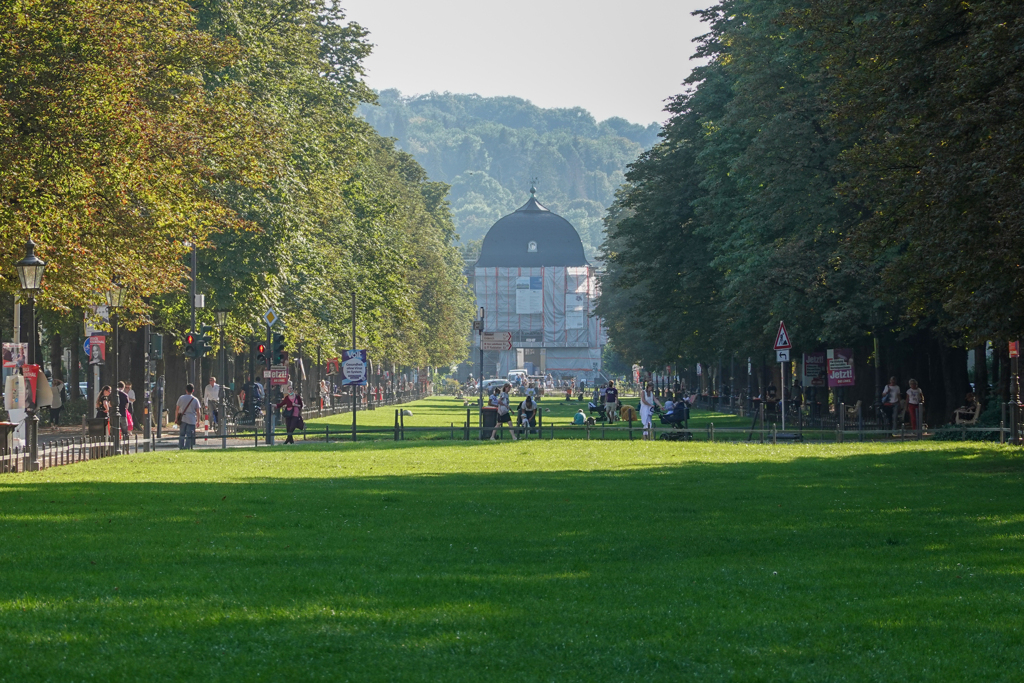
(488, 421)
(96, 431)
(96, 427)
(7, 463)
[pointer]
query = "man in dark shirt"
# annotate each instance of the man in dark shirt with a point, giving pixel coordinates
(611, 401)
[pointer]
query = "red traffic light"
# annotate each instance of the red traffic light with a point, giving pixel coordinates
(261, 348)
(190, 339)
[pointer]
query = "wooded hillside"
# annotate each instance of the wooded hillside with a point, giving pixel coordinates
(490, 148)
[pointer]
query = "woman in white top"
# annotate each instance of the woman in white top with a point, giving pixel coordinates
(647, 403)
(915, 397)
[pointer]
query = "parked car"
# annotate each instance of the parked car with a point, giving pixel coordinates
(489, 384)
(83, 390)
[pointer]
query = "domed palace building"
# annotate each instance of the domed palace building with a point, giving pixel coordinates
(532, 279)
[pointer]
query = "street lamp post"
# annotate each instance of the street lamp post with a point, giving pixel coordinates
(115, 298)
(30, 272)
(220, 318)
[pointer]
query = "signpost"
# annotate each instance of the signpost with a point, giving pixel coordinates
(782, 347)
(495, 341)
(270, 317)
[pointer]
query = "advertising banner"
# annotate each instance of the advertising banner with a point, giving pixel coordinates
(96, 347)
(277, 374)
(97, 320)
(529, 295)
(1014, 349)
(815, 369)
(353, 368)
(32, 375)
(15, 355)
(14, 393)
(575, 311)
(840, 367)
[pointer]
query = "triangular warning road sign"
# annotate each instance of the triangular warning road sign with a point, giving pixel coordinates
(782, 339)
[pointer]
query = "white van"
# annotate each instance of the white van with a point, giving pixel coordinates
(520, 373)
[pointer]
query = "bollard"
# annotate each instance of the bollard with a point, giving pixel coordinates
(1002, 432)
(711, 426)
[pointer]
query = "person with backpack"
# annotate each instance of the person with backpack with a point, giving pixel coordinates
(186, 415)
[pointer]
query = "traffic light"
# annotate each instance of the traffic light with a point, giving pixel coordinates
(280, 355)
(191, 349)
(261, 353)
(204, 342)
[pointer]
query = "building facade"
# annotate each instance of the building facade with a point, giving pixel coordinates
(533, 279)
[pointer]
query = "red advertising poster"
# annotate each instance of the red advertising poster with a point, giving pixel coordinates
(1015, 349)
(840, 367)
(815, 369)
(31, 374)
(97, 349)
(15, 354)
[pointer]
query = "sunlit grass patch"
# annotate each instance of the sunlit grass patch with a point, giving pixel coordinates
(466, 561)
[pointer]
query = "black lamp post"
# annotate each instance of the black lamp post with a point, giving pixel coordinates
(115, 299)
(220, 319)
(30, 272)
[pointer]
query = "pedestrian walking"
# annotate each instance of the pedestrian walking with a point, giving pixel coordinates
(611, 401)
(124, 417)
(915, 399)
(57, 388)
(211, 398)
(103, 406)
(647, 403)
(891, 400)
(291, 407)
(504, 415)
(186, 415)
(130, 393)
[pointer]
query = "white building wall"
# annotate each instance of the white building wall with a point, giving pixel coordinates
(547, 308)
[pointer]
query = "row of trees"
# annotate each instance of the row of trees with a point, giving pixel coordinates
(491, 148)
(851, 167)
(132, 131)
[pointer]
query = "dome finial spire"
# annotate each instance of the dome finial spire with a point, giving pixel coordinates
(533, 187)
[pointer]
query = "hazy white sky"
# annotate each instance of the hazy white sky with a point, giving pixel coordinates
(613, 58)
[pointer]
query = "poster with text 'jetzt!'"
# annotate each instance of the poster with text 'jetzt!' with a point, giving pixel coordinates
(529, 296)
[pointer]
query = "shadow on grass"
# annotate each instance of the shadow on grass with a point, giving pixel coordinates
(906, 562)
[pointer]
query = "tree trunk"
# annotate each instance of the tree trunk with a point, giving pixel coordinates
(955, 384)
(980, 376)
(56, 356)
(137, 372)
(1003, 354)
(74, 376)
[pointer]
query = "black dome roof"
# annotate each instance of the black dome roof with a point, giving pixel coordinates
(531, 237)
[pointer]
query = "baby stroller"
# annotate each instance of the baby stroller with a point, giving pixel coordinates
(676, 420)
(602, 414)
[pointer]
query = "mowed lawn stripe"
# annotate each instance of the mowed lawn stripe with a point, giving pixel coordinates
(537, 561)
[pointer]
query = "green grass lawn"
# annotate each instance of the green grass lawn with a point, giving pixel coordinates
(446, 411)
(589, 561)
